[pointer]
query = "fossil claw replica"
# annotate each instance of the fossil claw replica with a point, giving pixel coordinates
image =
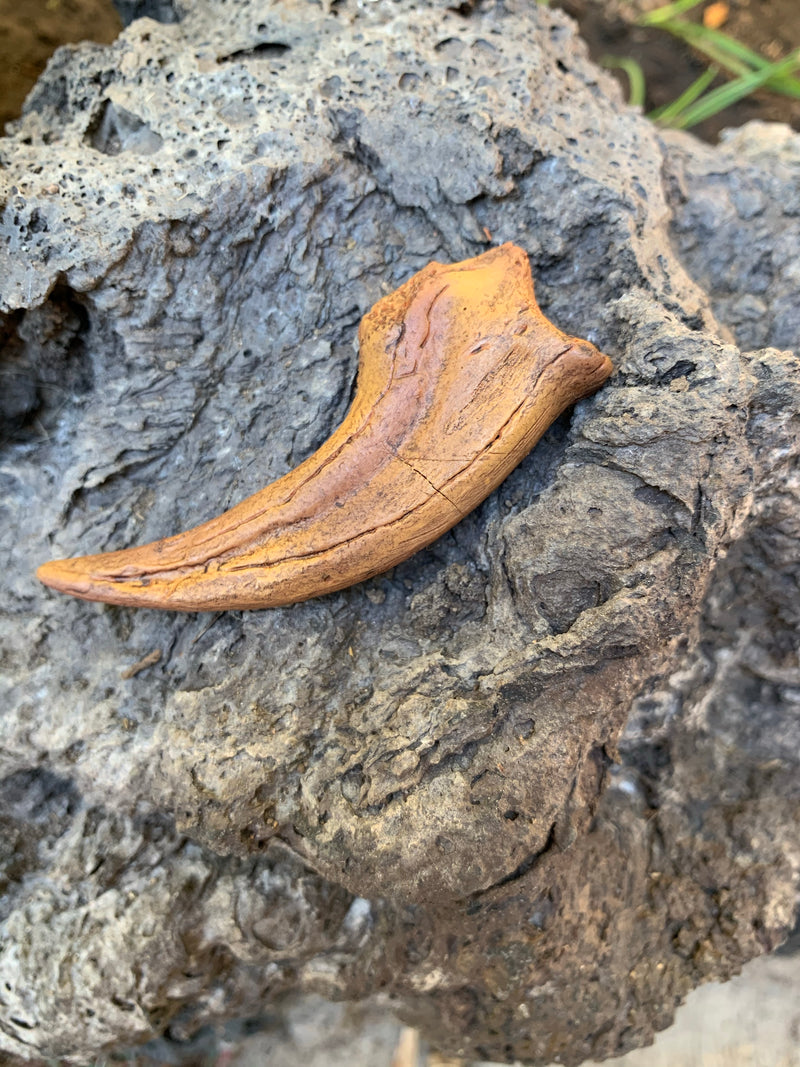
(459, 376)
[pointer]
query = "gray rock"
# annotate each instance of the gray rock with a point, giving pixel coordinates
(737, 225)
(550, 760)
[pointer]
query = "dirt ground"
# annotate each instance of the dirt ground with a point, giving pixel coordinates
(30, 30)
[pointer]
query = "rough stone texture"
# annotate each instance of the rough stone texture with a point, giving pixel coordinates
(418, 786)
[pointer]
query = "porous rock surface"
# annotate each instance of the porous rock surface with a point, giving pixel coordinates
(536, 783)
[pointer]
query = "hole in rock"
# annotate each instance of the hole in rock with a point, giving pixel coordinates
(264, 50)
(116, 130)
(483, 47)
(44, 365)
(682, 369)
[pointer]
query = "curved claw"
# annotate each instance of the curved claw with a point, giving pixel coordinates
(459, 376)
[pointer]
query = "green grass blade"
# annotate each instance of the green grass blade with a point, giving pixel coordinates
(718, 99)
(745, 58)
(717, 46)
(785, 85)
(730, 54)
(636, 89)
(666, 115)
(728, 46)
(668, 11)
